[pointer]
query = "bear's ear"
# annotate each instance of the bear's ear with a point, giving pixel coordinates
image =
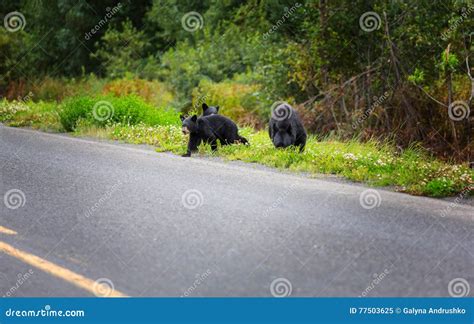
(181, 116)
(217, 108)
(204, 106)
(194, 118)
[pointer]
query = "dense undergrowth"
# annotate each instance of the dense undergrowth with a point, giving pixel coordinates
(131, 119)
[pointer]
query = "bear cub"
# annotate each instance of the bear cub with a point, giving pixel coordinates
(207, 111)
(285, 128)
(210, 129)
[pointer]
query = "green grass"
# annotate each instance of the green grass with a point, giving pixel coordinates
(378, 164)
(42, 115)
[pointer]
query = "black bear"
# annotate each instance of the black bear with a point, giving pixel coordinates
(285, 127)
(209, 129)
(207, 111)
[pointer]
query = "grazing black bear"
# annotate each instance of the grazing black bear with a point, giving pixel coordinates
(207, 111)
(209, 129)
(285, 127)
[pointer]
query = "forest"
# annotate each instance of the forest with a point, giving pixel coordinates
(396, 75)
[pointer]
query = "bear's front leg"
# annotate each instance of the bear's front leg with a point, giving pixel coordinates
(194, 141)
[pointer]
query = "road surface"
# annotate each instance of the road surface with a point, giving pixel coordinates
(76, 212)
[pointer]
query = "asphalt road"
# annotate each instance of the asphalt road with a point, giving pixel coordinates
(154, 224)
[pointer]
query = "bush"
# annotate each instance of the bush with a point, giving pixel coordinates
(105, 110)
(39, 115)
(154, 92)
(238, 101)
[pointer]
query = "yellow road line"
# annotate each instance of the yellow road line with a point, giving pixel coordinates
(8, 231)
(95, 287)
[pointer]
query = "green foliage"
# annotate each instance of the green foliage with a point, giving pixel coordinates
(417, 77)
(153, 92)
(39, 115)
(238, 101)
(121, 51)
(135, 121)
(105, 110)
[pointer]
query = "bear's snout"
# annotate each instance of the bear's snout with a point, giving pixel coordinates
(185, 130)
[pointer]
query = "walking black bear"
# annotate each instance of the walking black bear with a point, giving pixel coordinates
(209, 129)
(285, 128)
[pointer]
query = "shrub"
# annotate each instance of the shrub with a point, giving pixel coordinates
(39, 115)
(9, 108)
(103, 110)
(237, 101)
(154, 92)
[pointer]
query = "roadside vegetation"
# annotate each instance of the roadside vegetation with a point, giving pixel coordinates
(384, 88)
(411, 170)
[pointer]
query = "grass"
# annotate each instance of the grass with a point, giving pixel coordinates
(377, 164)
(42, 115)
